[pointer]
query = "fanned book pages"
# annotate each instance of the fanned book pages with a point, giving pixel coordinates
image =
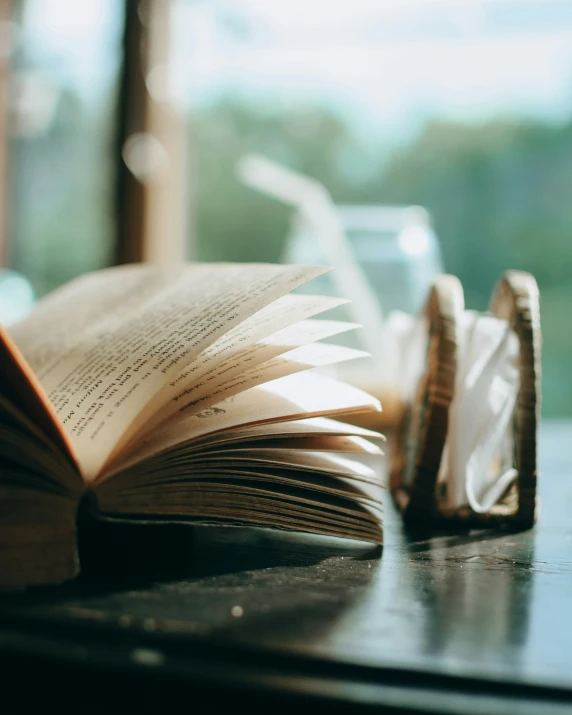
(181, 393)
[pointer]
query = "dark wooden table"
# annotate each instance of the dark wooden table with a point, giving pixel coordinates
(243, 620)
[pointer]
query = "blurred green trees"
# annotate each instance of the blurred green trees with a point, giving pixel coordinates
(500, 195)
(60, 195)
(233, 223)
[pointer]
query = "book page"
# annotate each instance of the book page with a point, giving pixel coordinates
(289, 398)
(19, 385)
(272, 477)
(316, 443)
(64, 317)
(310, 427)
(248, 344)
(282, 313)
(157, 321)
(40, 463)
(204, 394)
(253, 353)
(303, 358)
(280, 458)
(283, 342)
(233, 500)
(279, 343)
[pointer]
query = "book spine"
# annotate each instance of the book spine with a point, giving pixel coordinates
(37, 539)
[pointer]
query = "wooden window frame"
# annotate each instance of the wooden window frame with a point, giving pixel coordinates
(151, 210)
(5, 16)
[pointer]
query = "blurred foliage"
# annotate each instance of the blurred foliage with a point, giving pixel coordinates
(498, 193)
(61, 191)
(499, 196)
(309, 141)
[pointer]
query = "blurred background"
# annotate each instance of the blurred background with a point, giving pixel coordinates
(121, 124)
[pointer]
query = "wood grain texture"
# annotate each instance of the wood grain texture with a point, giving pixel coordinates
(423, 431)
(516, 299)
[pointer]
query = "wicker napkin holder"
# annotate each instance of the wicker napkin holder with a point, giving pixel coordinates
(422, 434)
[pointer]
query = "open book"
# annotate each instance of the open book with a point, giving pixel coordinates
(178, 392)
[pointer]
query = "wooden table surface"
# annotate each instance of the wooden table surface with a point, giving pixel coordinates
(477, 622)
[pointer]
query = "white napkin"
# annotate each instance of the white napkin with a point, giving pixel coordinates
(481, 413)
(480, 417)
(406, 339)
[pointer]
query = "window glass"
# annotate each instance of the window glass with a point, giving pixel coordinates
(462, 107)
(64, 70)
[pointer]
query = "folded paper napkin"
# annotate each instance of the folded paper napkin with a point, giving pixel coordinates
(478, 456)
